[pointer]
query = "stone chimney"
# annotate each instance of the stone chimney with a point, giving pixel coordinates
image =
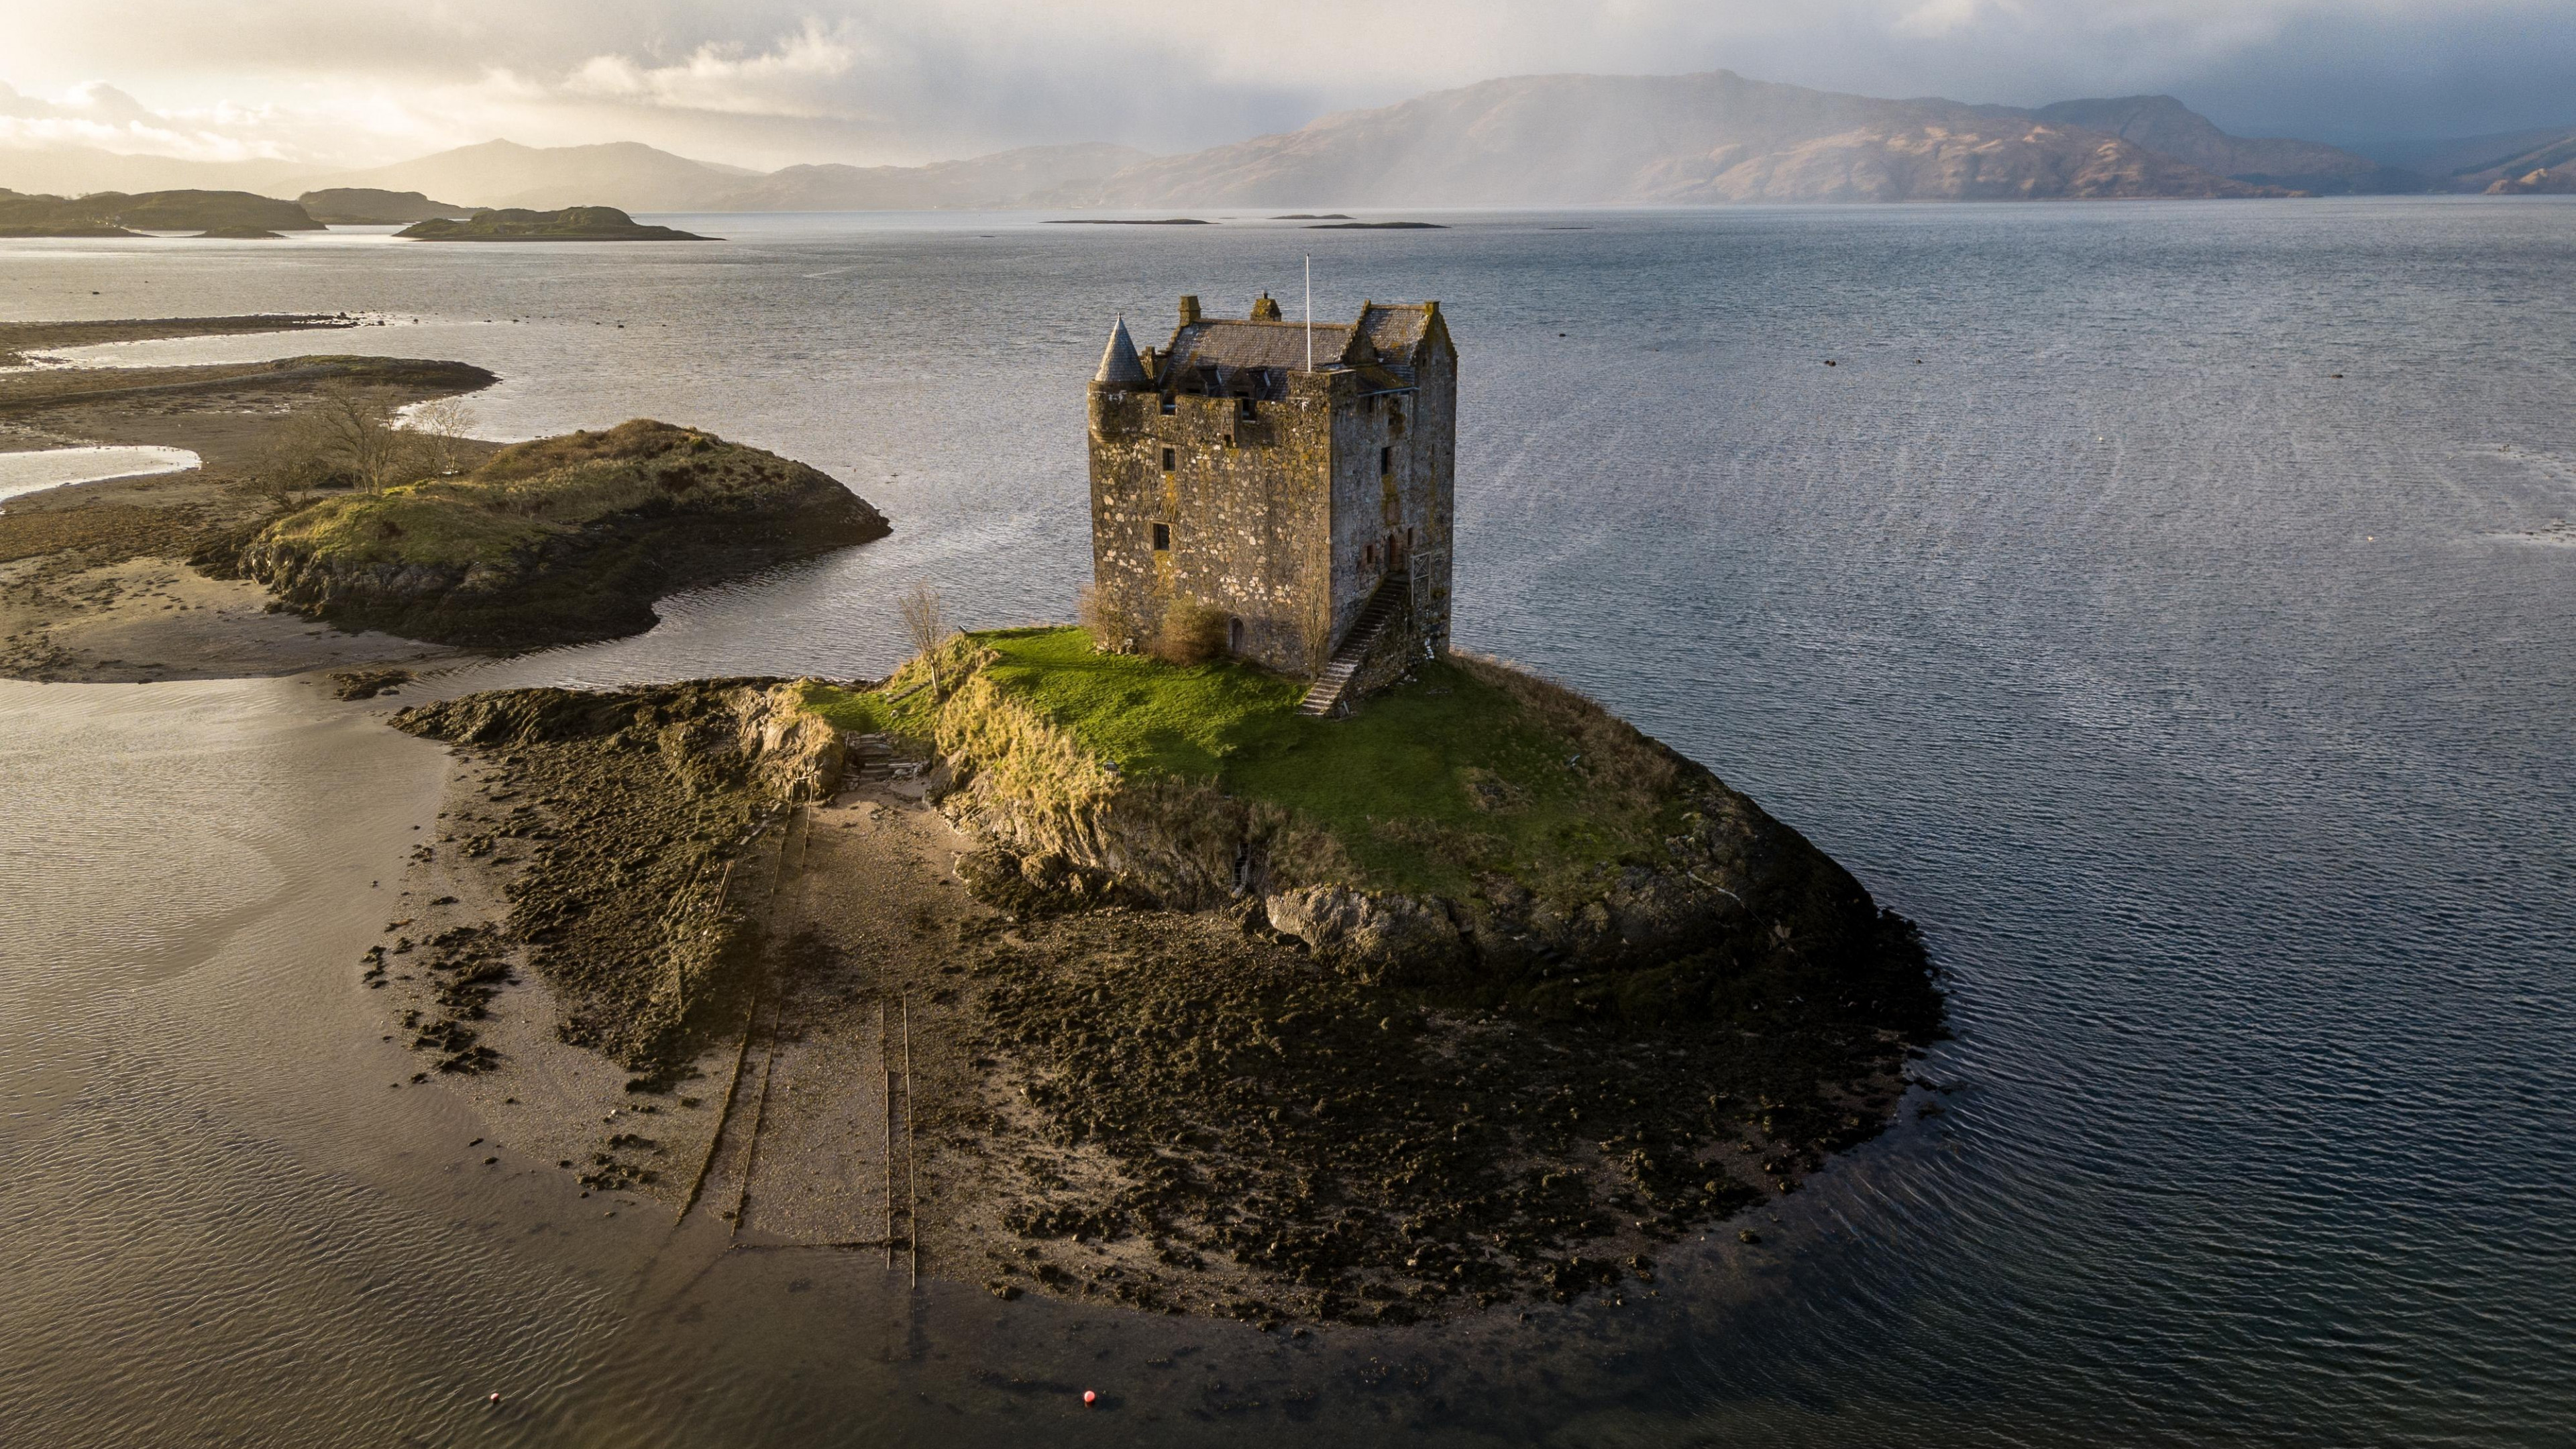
(1264, 309)
(1189, 310)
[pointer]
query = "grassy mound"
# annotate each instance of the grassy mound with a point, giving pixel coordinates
(1467, 769)
(556, 540)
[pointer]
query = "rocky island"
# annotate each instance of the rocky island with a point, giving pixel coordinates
(372, 206)
(1258, 954)
(113, 213)
(573, 223)
(556, 541)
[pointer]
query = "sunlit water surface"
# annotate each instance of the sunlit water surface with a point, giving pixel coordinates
(2168, 605)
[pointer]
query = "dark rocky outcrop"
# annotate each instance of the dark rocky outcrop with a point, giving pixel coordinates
(573, 223)
(558, 541)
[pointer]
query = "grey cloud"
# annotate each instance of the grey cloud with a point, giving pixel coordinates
(771, 81)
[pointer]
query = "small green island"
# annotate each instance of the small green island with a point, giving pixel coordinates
(572, 223)
(374, 206)
(560, 540)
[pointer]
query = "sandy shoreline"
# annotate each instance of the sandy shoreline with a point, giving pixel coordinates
(94, 587)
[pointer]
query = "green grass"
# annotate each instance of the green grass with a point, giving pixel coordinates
(1428, 785)
(1147, 716)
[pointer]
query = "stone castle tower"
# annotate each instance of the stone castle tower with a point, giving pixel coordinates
(1308, 499)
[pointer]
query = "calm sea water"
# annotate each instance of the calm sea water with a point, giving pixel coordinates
(2172, 606)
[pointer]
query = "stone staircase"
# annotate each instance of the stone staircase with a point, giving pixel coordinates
(872, 761)
(1326, 696)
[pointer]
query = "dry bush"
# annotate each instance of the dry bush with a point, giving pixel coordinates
(1112, 619)
(925, 626)
(1191, 633)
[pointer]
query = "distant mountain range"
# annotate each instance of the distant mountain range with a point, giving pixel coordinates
(1525, 141)
(1666, 140)
(635, 177)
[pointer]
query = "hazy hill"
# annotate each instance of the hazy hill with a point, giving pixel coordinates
(626, 174)
(1006, 178)
(2469, 162)
(2166, 126)
(1659, 140)
(366, 206)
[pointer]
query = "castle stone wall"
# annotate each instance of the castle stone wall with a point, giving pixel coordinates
(1245, 503)
(1288, 511)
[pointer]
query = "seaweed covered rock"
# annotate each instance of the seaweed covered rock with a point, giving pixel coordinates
(561, 540)
(643, 802)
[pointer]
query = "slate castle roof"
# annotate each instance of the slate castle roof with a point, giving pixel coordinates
(1223, 356)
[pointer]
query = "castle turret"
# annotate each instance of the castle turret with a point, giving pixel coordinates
(1118, 364)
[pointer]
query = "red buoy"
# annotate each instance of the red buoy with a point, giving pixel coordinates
(1087, 1396)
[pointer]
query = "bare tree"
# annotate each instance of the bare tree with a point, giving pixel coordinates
(925, 624)
(440, 428)
(353, 429)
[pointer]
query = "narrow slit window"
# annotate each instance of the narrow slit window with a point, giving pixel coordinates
(1385, 462)
(1168, 460)
(1162, 538)
(1243, 406)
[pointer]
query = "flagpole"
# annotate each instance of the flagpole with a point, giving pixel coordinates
(1310, 314)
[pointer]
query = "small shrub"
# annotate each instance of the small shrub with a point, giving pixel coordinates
(1191, 633)
(1112, 620)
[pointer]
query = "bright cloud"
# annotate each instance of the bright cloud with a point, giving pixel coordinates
(796, 77)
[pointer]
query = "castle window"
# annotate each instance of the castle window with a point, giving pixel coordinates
(1170, 405)
(1386, 462)
(1234, 636)
(1243, 406)
(1368, 557)
(1167, 460)
(1162, 538)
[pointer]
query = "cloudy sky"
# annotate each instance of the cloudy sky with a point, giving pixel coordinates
(769, 82)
